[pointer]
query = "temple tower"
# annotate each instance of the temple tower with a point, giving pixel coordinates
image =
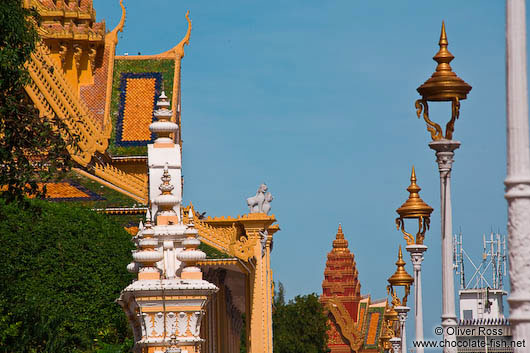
(341, 294)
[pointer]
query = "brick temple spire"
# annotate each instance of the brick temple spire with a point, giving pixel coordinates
(341, 276)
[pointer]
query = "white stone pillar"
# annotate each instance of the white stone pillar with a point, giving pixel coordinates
(396, 344)
(416, 255)
(444, 157)
(402, 316)
(518, 171)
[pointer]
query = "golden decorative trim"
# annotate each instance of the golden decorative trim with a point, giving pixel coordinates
(240, 264)
(52, 95)
(77, 56)
(228, 235)
(92, 58)
(128, 182)
(111, 40)
(67, 13)
(121, 210)
(176, 98)
(349, 329)
(229, 219)
(110, 185)
(112, 36)
(214, 262)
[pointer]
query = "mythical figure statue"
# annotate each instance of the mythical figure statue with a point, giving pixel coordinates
(260, 203)
(263, 240)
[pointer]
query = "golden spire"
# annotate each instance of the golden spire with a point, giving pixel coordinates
(340, 244)
(443, 57)
(400, 277)
(414, 207)
(444, 84)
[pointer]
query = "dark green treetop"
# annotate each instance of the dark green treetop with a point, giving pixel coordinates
(298, 325)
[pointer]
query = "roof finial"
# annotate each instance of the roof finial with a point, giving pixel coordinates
(190, 218)
(340, 235)
(400, 257)
(113, 35)
(444, 57)
(413, 187)
(339, 244)
(148, 217)
(400, 277)
(443, 36)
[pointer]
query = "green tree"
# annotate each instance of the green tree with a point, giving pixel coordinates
(31, 148)
(299, 325)
(61, 269)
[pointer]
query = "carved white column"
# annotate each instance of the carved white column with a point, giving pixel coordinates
(396, 344)
(416, 255)
(444, 157)
(518, 170)
(402, 316)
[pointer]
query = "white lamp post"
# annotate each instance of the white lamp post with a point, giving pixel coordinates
(415, 209)
(444, 86)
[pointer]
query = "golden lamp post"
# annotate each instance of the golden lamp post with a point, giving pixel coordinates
(400, 278)
(390, 328)
(444, 86)
(415, 209)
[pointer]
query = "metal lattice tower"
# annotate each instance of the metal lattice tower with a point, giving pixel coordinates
(493, 260)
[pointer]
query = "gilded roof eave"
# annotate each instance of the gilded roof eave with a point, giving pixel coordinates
(228, 234)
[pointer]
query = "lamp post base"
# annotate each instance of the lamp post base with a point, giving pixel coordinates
(416, 255)
(402, 315)
(444, 157)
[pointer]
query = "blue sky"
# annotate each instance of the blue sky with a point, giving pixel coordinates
(316, 98)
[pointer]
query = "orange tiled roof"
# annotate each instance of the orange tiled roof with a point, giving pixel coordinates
(65, 191)
(137, 102)
(372, 329)
(138, 112)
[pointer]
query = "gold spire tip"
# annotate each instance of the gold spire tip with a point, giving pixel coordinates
(340, 234)
(443, 36)
(400, 262)
(413, 175)
(340, 243)
(400, 277)
(444, 85)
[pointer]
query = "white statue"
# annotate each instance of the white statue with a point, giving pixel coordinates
(260, 203)
(263, 240)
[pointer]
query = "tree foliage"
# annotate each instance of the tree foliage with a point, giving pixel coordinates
(61, 269)
(31, 148)
(299, 325)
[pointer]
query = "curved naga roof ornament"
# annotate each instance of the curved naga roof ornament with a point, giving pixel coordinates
(348, 328)
(179, 49)
(113, 35)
